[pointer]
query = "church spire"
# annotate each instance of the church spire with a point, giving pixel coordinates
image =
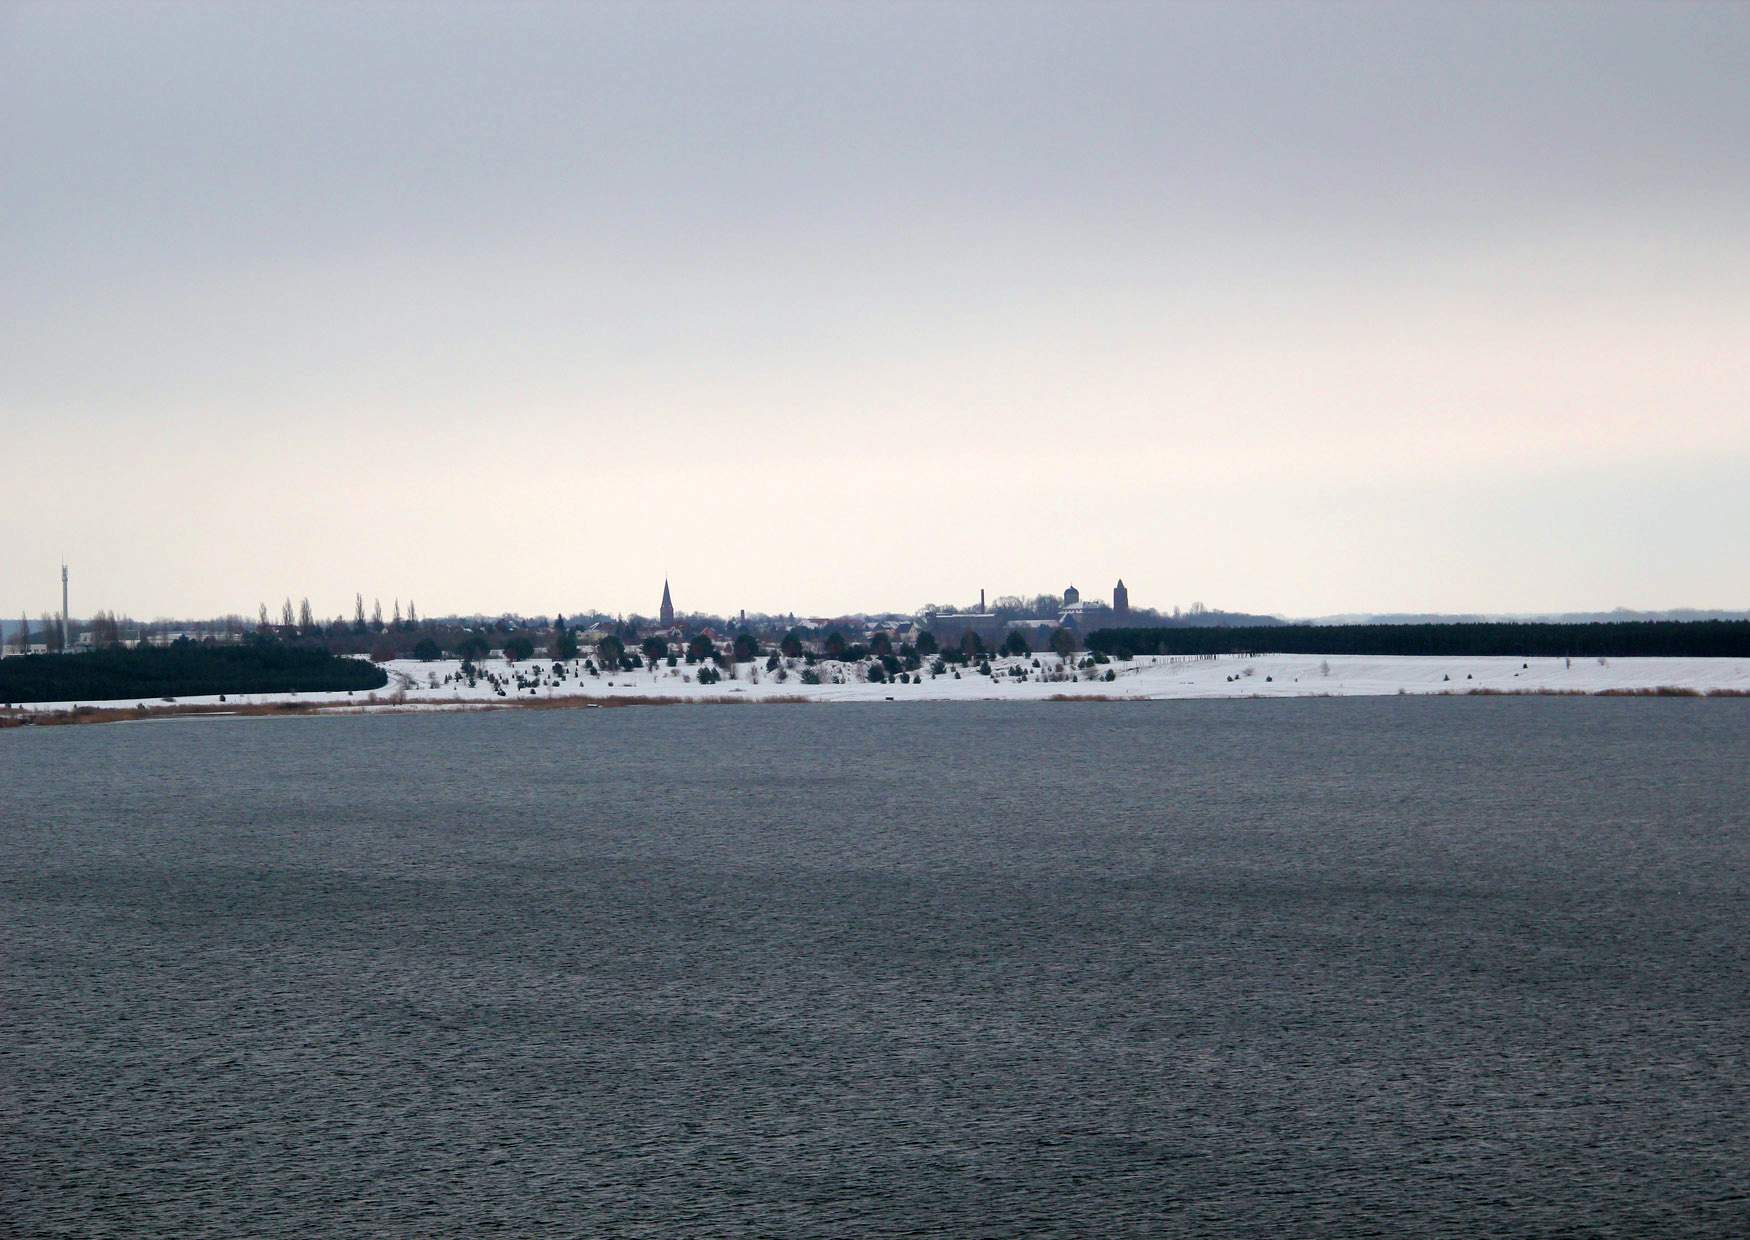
(667, 611)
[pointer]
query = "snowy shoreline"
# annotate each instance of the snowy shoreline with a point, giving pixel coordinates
(440, 685)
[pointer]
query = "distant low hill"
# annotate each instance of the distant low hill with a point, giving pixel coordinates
(1219, 619)
(1667, 638)
(184, 669)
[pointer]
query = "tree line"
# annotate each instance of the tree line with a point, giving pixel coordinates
(185, 669)
(1649, 638)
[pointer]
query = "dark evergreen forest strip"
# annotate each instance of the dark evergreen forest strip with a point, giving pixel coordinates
(1671, 638)
(185, 669)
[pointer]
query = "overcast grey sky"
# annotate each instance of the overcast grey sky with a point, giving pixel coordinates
(1302, 309)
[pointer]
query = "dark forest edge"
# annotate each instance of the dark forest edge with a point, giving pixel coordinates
(184, 669)
(1634, 639)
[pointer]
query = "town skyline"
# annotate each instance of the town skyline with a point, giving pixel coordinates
(1080, 609)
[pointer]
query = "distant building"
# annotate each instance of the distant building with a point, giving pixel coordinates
(950, 626)
(1085, 617)
(666, 612)
(1082, 615)
(1090, 616)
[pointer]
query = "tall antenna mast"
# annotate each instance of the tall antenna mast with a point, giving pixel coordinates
(63, 606)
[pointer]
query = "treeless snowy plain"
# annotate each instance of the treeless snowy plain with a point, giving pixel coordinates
(441, 685)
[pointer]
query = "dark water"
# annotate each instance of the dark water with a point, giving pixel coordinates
(1397, 966)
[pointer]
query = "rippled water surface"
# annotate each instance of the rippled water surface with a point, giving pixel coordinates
(1430, 966)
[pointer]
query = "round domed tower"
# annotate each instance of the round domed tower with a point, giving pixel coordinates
(1071, 597)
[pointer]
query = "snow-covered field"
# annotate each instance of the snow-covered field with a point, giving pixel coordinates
(441, 685)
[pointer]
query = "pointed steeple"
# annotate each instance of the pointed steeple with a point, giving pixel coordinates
(667, 611)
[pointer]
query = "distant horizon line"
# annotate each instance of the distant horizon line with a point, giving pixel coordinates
(12, 624)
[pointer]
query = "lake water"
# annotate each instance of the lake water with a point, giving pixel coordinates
(1340, 967)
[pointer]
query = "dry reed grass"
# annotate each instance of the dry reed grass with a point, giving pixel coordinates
(372, 705)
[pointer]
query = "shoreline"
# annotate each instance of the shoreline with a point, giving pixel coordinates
(165, 712)
(543, 685)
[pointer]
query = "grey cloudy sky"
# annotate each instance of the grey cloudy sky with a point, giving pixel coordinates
(1303, 308)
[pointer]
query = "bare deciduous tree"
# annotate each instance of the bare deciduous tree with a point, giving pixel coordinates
(106, 633)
